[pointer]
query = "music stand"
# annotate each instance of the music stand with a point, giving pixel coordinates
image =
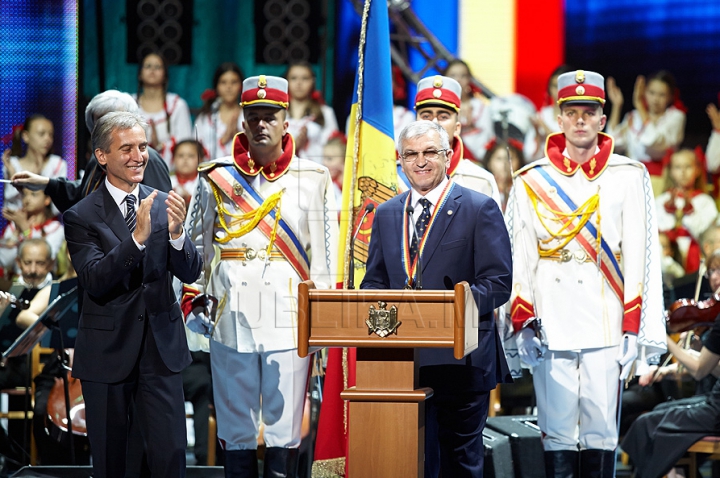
(33, 335)
(47, 320)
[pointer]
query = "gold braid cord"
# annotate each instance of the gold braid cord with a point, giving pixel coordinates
(246, 221)
(572, 222)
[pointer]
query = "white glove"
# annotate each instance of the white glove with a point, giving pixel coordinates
(530, 349)
(199, 322)
(627, 354)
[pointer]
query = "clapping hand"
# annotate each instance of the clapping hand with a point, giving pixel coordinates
(143, 225)
(176, 214)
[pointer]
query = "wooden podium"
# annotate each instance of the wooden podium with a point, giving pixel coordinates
(387, 409)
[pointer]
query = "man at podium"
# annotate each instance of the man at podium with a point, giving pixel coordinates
(433, 236)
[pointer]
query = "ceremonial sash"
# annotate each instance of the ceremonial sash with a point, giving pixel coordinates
(541, 182)
(407, 236)
(248, 200)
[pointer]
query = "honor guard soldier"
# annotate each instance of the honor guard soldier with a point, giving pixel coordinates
(587, 292)
(269, 215)
(438, 100)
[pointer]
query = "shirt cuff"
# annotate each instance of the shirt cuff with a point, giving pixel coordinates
(139, 246)
(178, 243)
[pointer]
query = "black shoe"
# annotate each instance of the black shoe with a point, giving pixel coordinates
(280, 462)
(561, 464)
(241, 464)
(597, 463)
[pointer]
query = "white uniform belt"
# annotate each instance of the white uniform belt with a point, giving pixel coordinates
(564, 255)
(248, 254)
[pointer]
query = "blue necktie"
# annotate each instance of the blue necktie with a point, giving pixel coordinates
(421, 225)
(130, 215)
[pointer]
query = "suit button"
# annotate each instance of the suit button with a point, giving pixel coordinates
(141, 317)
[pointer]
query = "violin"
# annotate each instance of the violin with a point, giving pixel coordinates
(688, 314)
(56, 420)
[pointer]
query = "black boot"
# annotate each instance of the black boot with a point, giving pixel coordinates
(280, 462)
(561, 464)
(241, 464)
(597, 463)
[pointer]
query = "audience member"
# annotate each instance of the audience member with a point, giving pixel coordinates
(38, 134)
(34, 219)
(187, 155)
(658, 439)
(685, 210)
(496, 161)
(167, 114)
(311, 122)
(653, 128)
(221, 116)
(476, 125)
(334, 154)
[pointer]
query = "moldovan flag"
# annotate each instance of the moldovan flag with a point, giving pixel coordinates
(370, 178)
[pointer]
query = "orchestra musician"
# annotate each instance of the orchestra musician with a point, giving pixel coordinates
(659, 438)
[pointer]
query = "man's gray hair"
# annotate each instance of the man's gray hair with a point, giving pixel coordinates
(35, 241)
(420, 128)
(107, 102)
(122, 120)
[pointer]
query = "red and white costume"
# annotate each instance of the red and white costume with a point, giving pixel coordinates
(650, 141)
(55, 167)
(51, 230)
(177, 110)
(210, 130)
(684, 216)
(317, 135)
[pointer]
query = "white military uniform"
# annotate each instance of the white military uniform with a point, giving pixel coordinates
(584, 312)
(253, 348)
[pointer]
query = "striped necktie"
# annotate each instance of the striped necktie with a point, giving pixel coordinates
(422, 223)
(130, 215)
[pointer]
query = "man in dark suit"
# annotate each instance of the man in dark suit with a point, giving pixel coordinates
(131, 343)
(66, 193)
(462, 238)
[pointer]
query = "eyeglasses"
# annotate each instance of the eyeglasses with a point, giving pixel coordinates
(712, 271)
(152, 67)
(429, 155)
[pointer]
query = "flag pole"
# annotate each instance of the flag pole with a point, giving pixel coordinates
(356, 148)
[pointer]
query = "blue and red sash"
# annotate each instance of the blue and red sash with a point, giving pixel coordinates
(248, 200)
(541, 183)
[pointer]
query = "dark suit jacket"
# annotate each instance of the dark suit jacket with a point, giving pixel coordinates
(124, 286)
(468, 242)
(65, 193)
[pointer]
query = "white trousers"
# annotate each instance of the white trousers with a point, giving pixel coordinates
(577, 397)
(254, 387)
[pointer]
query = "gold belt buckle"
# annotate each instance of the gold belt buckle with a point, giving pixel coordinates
(580, 256)
(250, 253)
(565, 255)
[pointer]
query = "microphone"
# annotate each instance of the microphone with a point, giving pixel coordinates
(351, 277)
(418, 268)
